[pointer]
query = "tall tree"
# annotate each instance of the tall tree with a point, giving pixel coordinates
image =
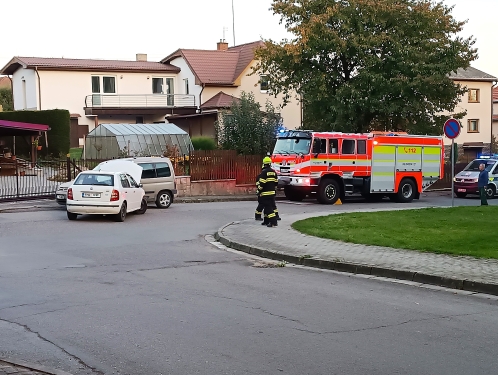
(6, 99)
(246, 127)
(366, 65)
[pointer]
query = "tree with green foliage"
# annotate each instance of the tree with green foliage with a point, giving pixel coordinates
(204, 143)
(6, 99)
(246, 128)
(365, 65)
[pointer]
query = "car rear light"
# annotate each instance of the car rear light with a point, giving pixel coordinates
(70, 194)
(115, 196)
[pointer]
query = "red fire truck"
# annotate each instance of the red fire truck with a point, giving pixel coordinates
(335, 165)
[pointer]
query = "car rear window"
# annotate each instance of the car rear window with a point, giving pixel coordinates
(95, 179)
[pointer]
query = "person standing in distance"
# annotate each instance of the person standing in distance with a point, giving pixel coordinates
(482, 182)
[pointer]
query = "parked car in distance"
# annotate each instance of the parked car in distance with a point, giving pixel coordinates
(106, 192)
(158, 178)
(61, 193)
(465, 182)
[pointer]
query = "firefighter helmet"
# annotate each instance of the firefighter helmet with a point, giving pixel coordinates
(266, 160)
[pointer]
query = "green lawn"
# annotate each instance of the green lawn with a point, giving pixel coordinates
(76, 153)
(457, 231)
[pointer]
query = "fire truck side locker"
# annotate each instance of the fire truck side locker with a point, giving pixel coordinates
(383, 176)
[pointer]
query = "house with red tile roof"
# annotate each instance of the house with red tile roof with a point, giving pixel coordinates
(99, 91)
(217, 78)
(476, 134)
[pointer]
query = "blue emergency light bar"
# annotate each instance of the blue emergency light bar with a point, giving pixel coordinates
(487, 156)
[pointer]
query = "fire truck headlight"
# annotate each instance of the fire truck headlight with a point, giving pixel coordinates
(298, 170)
(299, 180)
(307, 181)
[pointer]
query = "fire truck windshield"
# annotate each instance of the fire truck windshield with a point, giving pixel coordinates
(286, 146)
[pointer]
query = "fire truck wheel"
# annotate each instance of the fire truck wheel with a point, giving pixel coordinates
(293, 194)
(329, 191)
(406, 190)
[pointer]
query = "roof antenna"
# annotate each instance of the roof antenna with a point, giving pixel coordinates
(233, 23)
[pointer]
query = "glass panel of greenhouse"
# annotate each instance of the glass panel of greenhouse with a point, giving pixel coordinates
(112, 141)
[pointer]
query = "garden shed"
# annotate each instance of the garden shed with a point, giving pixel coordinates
(110, 141)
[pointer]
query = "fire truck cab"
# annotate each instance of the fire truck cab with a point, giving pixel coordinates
(335, 165)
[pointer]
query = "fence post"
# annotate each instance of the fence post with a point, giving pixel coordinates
(68, 167)
(17, 179)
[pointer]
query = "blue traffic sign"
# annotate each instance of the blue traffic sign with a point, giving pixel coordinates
(451, 128)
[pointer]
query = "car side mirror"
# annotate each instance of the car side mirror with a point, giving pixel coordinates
(141, 185)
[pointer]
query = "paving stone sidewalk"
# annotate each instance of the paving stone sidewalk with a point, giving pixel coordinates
(8, 368)
(285, 243)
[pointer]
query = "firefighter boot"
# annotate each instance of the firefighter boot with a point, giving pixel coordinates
(257, 216)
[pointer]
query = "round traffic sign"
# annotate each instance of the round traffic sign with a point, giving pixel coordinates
(451, 128)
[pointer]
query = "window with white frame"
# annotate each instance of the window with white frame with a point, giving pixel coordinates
(473, 126)
(162, 85)
(264, 83)
(103, 84)
(185, 83)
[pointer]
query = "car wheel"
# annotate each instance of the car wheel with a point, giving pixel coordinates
(461, 195)
(406, 191)
(143, 207)
(293, 194)
(490, 191)
(71, 215)
(122, 213)
(164, 199)
(329, 191)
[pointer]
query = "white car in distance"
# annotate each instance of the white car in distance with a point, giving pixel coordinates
(107, 193)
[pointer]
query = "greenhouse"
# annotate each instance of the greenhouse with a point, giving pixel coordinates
(110, 141)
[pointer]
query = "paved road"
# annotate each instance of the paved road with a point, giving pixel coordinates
(151, 296)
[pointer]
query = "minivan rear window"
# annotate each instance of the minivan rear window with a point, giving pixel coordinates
(162, 170)
(95, 179)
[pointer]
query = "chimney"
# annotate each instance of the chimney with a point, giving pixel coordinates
(141, 57)
(222, 45)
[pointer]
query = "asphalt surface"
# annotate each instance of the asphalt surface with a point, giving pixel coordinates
(152, 296)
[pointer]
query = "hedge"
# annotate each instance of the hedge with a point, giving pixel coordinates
(204, 143)
(58, 135)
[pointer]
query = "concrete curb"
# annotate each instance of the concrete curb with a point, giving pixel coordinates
(448, 282)
(34, 367)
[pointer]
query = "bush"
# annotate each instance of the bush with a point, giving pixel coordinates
(204, 143)
(58, 135)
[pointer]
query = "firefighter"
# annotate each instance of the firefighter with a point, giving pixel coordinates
(266, 184)
(259, 209)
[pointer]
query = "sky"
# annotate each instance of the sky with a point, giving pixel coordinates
(117, 29)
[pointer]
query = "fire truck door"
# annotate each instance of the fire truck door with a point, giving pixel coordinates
(408, 158)
(383, 169)
(431, 165)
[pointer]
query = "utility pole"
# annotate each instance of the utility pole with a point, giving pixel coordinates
(233, 23)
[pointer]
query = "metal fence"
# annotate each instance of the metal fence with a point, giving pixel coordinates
(21, 179)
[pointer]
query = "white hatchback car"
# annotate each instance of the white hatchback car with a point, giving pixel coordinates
(107, 193)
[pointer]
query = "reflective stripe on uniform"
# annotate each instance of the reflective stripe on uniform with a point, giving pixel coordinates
(264, 193)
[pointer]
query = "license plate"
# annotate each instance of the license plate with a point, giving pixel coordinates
(462, 190)
(61, 197)
(90, 195)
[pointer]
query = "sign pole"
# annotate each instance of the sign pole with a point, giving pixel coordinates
(453, 172)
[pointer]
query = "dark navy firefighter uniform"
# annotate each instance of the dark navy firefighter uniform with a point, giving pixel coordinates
(266, 184)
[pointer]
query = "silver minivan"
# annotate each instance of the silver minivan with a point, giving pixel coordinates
(158, 179)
